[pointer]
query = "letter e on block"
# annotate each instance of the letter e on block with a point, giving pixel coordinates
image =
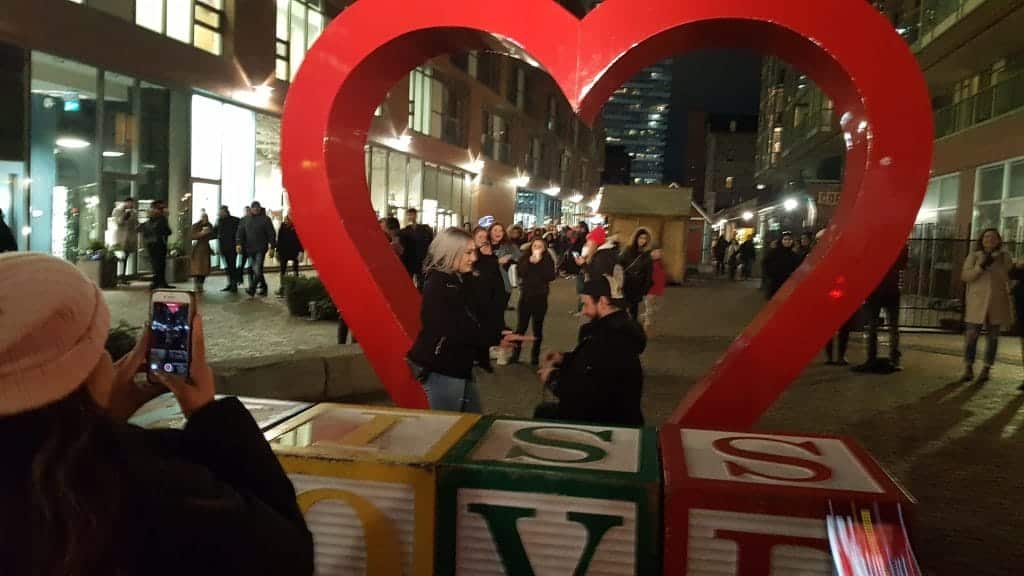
(754, 504)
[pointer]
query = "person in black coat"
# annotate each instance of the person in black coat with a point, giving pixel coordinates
(536, 271)
(886, 296)
(779, 264)
(452, 340)
(83, 492)
(637, 270)
(226, 232)
(489, 295)
(7, 241)
(289, 249)
(155, 232)
(601, 381)
(415, 239)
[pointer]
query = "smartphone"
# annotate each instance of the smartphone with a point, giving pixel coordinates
(575, 254)
(170, 342)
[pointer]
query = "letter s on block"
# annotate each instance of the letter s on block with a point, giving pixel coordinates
(383, 548)
(818, 471)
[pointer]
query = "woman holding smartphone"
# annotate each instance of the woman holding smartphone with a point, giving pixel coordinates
(986, 272)
(452, 340)
(84, 493)
(536, 273)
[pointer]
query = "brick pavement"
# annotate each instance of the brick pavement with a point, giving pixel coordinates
(955, 447)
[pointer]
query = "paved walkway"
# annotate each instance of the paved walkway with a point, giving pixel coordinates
(957, 448)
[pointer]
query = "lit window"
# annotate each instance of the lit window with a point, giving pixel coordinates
(299, 24)
(196, 22)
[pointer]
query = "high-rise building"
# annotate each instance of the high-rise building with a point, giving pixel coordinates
(180, 101)
(637, 118)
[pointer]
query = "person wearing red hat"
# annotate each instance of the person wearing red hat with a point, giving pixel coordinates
(84, 493)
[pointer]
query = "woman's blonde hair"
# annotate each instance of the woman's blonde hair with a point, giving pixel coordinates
(447, 250)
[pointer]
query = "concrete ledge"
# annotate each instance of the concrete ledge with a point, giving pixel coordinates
(331, 373)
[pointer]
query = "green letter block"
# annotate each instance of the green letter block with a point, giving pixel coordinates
(527, 497)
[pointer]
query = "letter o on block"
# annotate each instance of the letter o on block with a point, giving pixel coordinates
(754, 504)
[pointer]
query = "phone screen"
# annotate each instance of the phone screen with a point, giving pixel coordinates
(170, 339)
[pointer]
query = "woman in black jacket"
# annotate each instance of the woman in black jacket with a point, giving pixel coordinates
(637, 270)
(452, 339)
(489, 296)
(536, 272)
(84, 493)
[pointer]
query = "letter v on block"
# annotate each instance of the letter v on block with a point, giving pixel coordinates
(503, 521)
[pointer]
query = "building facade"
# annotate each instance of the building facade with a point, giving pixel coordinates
(972, 56)
(636, 117)
(730, 143)
(180, 101)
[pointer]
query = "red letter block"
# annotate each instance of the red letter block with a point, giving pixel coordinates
(750, 504)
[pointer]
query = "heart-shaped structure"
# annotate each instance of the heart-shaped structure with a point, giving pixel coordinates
(847, 48)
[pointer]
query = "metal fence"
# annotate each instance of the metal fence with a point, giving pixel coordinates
(932, 293)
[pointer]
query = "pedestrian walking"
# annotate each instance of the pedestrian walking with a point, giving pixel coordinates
(452, 340)
(289, 249)
(986, 272)
(7, 241)
(601, 380)
(779, 264)
(488, 289)
(637, 270)
(885, 297)
(718, 249)
(83, 492)
(226, 232)
(393, 232)
(416, 239)
(255, 237)
(126, 236)
(536, 272)
(155, 231)
(199, 260)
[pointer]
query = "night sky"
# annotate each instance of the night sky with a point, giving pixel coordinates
(716, 81)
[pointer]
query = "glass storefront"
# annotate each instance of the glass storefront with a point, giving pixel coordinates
(535, 208)
(398, 181)
(96, 138)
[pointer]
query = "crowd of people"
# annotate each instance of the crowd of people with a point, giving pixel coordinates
(469, 281)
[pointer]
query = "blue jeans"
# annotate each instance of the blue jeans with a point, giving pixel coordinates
(256, 279)
(452, 394)
(971, 343)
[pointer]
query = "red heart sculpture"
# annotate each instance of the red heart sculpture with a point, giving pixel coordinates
(848, 49)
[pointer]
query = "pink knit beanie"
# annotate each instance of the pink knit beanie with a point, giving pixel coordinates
(53, 329)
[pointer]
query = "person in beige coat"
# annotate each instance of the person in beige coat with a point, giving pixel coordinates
(986, 273)
(202, 233)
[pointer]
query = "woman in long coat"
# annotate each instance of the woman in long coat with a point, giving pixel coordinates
(202, 233)
(986, 273)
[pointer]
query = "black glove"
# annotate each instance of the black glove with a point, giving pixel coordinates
(987, 261)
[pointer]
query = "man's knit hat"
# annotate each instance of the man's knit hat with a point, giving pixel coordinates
(53, 330)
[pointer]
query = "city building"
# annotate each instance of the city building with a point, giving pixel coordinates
(972, 56)
(180, 101)
(637, 116)
(730, 145)
(973, 61)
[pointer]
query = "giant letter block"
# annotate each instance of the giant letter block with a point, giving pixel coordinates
(745, 504)
(524, 497)
(366, 481)
(164, 412)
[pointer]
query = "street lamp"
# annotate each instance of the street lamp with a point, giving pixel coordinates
(748, 216)
(790, 204)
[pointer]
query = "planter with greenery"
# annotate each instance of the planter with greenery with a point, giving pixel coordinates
(98, 264)
(121, 339)
(301, 291)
